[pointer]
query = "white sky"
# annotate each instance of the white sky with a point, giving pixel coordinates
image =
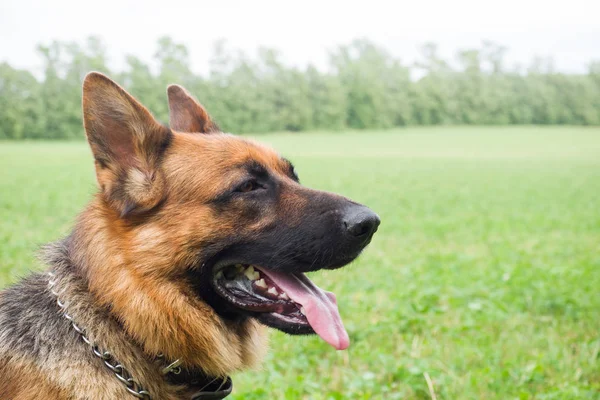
(569, 31)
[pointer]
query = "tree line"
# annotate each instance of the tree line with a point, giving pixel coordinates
(364, 87)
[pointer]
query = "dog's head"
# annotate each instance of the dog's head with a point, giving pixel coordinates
(216, 219)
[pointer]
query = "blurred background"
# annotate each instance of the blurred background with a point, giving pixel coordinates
(471, 127)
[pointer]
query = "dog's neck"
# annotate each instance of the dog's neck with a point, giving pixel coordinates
(157, 311)
(113, 347)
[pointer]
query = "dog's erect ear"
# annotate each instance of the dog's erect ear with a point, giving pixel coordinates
(186, 114)
(127, 143)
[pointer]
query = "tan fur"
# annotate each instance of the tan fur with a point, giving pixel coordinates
(24, 381)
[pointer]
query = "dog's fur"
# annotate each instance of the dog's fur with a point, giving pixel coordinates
(129, 271)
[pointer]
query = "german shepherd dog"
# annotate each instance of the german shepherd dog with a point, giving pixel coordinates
(195, 241)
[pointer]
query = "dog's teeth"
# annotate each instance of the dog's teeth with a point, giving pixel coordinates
(302, 311)
(256, 276)
(284, 296)
(272, 291)
(250, 273)
(261, 283)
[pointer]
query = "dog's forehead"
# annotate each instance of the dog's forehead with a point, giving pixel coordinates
(259, 154)
(226, 152)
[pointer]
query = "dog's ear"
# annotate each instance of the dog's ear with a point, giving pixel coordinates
(186, 114)
(127, 143)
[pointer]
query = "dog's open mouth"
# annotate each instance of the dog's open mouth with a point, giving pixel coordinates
(288, 301)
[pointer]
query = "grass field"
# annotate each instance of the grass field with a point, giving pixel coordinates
(484, 276)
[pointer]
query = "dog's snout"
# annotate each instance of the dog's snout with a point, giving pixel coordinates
(361, 222)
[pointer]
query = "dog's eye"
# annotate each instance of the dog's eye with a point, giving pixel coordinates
(248, 186)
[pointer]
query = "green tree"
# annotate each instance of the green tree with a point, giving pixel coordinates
(20, 105)
(364, 87)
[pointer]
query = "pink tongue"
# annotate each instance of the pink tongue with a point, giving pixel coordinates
(320, 306)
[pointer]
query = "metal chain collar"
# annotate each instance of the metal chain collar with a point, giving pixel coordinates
(132, 385)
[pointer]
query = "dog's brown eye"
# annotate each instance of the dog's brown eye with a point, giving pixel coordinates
(248, 186)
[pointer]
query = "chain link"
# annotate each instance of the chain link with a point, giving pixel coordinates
(132, 386)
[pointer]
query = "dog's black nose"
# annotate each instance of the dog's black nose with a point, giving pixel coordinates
(361, 222)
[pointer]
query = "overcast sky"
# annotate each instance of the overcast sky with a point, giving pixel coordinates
(569, 31)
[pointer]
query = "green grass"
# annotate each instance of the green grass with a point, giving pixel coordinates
(484, 275)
